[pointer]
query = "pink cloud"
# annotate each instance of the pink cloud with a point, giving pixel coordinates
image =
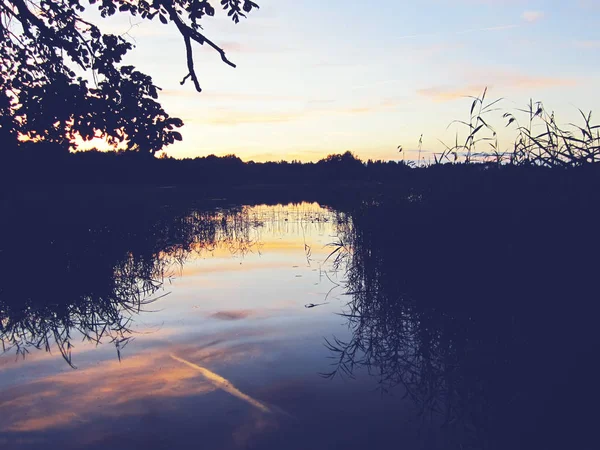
(532, 16)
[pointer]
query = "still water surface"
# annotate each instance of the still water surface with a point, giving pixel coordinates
(266, 327)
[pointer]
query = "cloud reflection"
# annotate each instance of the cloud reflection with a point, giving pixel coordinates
(113, 390)
(221, 383)
(233, 314)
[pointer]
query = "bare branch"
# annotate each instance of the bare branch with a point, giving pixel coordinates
(190, 34)
(190, 63)
(200, 38)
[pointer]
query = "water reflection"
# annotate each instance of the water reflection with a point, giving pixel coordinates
(218, 361)
(486, 328)
(92, 282)
(488, 335)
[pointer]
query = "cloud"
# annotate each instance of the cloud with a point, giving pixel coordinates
(231, 116)
(493, 28)
(385, 105)
(589, 4)
(460, 32)
(532, 16)
(116, 385)
(222, 383)
(234, 46)
(115, 390)
(587, 44)
(496, 78)
(378, 83)
(448, 93)
(524, 81)
(218, 96)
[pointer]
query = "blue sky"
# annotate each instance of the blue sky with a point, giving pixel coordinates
(317, 77)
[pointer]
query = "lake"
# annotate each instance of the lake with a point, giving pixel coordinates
(300, 326)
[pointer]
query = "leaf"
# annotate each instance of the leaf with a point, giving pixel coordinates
(484, 122)
(476, 130)
(163, 19)
(487, 107)
(474, 105)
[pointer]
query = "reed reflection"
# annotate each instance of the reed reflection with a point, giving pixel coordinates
(487, 325)
(89, 281)
(71, 278)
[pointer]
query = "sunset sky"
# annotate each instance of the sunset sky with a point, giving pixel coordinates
(318, 77)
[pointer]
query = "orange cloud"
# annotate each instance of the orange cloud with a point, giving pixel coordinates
(74, 397)
(112, 389)
(234, 117)
(237, 117)
(497, 79)
(445, 94)
(44, 423)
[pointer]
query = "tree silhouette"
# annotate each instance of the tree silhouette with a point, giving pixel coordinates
(61, 77)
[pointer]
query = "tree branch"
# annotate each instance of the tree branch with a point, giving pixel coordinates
(190, 34)
(201, 39)
(190, 63)
(26, 17)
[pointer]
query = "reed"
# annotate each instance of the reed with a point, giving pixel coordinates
(539, 140)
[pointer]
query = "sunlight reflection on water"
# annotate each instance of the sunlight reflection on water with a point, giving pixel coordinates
(235, 316)
(295, 327)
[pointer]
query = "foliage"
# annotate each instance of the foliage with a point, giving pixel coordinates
(61, 78)
(539, 139)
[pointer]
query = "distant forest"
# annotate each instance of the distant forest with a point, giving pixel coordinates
(37, 164)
